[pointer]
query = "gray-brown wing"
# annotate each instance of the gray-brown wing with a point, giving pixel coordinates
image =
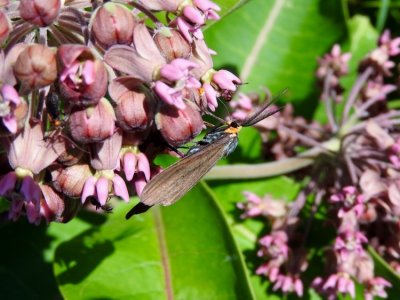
(173, 183)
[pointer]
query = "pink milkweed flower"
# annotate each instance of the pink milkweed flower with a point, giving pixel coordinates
(336, 283)
(83, 78)
(188, 30)
(376, 287)
(266, 206)
(136, 167)
(193, 17)
(275, 246)
(141, 61)
(30, 150)
(378, 90)
(270, 269)
(289, 283)
(392, 46)
(28, 154)
(349, 242)
(335, 61)
(348, 199)
(208, 8)
(105, 182)
(9, 100)
(175, 76)
(216, 84)
(223, 82)
(145, 63)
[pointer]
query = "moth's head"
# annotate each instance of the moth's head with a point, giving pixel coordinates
(233, 128)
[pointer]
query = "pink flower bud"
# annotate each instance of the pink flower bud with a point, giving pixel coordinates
(36, 66)
(172, 44)
(83, 78)
(70, 180)
(5, 27)
(193, 15)
(178, 126)
(41, 13)
(92, 124)
(226, 80)
(55, 207)
(113, 24)
(134, 104)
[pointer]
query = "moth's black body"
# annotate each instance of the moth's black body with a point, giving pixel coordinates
(214, 135)
(173, 183)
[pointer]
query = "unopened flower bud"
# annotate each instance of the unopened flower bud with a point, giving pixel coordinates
(5, 27)
(70, 180)
(83, 78)
(134, 104)
(55, 207)
(36, 66)
(179, 126)
(172, 44)
(41, 13)
(92, 124)
(113, 24)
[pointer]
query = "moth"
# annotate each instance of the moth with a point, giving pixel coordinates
(173, 183)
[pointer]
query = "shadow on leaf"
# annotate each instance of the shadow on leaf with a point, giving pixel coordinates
(81, 255)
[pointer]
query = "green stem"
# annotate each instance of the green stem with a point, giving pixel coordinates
(280, 167)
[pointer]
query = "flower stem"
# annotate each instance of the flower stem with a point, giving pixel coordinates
(270, 169)
(328, 101)
(354, 92)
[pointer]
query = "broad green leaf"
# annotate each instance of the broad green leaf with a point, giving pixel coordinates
(24, 271)
(363, 37)
(247, 232)
(185, 251)
(227, 7)
(276, 43)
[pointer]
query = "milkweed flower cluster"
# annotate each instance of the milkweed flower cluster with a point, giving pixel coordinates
(352, 185)
(92, 91)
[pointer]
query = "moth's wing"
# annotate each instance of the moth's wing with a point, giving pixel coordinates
(173, 183)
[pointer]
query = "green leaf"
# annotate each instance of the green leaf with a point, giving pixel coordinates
(24, 272)
(185, 251)
(247, 232)
(276, 43)
(228, 6)
(363, 38)
(382, 268)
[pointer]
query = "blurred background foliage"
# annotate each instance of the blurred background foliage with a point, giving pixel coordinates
(199, 248)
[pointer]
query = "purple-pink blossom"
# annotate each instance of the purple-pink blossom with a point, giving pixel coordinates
(9, 100)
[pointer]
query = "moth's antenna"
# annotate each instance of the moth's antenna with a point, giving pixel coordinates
(228, 113)
(215, 117)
